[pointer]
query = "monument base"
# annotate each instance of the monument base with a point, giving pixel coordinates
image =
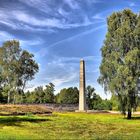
(80, 110)
(93, 111)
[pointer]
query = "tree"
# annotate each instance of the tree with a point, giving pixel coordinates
(68, 96)
(96, 102)
(9, 55)
(40, 95)
(61, 97)
(49, 93)
(36, 96)
(120, 66)
(115, 103)
(16, 68)
(90, 91)
(27, 68)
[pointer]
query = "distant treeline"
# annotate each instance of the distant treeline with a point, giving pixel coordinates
(69, 95)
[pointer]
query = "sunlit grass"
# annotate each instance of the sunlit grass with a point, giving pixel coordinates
(69, 126)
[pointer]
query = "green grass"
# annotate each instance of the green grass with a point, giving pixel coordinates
(69, 126)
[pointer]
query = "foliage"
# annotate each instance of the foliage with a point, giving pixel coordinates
(89, 91)
(68, 96)
(94, 101)
(40, 95)
(97, 103)
(115, 103)
(120, 66)
(49, 93)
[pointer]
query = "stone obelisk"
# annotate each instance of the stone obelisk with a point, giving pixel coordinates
(82, 94)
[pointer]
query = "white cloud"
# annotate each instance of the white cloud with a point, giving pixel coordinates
(102, 15)
(26, 18)
(20, 20)
(37, 41)
(41, 5)
(72, 4)
(132, 4)
(48, 22)
(98, 17)
(65, 79)
(63, 12)
(4, 36)
(26, 27)
(23, 20)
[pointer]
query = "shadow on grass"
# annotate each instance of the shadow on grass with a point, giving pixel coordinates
(136, 118)
(133, 118)
(16, 121)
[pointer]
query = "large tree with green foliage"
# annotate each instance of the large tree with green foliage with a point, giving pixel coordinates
(16, 68)
(49, 93)
(120, 66)
(68, 96)
(89, 92)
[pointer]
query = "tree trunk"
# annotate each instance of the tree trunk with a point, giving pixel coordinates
(129, 114)
(8, 98)
(14, 98)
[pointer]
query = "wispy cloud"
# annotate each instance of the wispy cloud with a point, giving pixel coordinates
(34, 42)
(77, 59)
(43, 51)
(64, 79)
(48, 22)
(4, 36)
(101, 16)
(30, 22)
(132, 4)
(13, 20)
(63, 12)
(78, 35)
(26, 18)
(41, 5)
(73, 4)
(98, 17)
(56, 17)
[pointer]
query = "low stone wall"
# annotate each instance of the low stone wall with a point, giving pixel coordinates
(62, 107)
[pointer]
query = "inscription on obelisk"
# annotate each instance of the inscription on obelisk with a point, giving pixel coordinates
(82, 94)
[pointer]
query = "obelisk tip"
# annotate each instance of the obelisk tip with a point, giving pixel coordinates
(81, 60)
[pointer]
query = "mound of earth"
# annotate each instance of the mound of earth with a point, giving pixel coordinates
(24, 109)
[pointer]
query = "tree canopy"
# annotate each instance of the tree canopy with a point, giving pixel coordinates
(68, 96)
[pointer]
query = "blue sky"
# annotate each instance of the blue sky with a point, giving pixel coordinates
(60, 33)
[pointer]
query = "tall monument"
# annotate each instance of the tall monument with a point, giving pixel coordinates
(82, 91)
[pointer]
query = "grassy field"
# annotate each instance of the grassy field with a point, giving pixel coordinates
(69, 126)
